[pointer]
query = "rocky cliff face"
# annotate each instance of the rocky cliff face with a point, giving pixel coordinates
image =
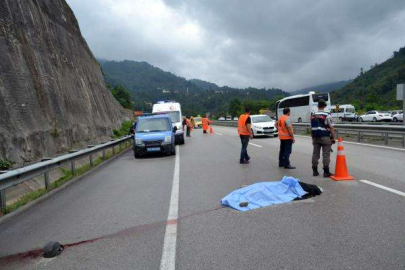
(52, 91)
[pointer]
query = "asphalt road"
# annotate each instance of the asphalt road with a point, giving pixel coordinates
(116, 218)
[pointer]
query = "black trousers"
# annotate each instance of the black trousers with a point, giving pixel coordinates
(243, 153)
(285, 152)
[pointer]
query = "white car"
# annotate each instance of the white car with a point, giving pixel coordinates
(235, 118)
(228, 118)
(221, 119)
(376, 116)
(399, 117)
(263, 125)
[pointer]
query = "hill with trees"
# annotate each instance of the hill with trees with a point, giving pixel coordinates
(148, 84)
(323, 88)
(375, 89)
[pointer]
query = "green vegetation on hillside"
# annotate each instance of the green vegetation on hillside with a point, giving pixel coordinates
(122, 95)
(376, 88)
(323, 88)
(236, 107)
(149, 84)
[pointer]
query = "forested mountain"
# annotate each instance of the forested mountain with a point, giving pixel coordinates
(323, 88)
(148, 84)
(376, 88)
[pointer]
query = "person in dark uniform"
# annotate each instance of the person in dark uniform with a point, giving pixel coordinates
(323, 136)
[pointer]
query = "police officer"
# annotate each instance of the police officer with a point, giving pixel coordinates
(286, 136)
(323, 136)
(245, 133)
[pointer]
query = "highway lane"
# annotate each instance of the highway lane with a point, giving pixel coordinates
(351, 226)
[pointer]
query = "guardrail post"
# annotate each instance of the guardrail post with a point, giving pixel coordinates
(46, 176)
(72, 164)
(2, 200)
(113, 148)
(386, 138)
(91, 156)
(2, 196)
(358, 136)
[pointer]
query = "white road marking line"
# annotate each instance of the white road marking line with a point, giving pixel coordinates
(365, 144)
(256, 145)
(168, 261)
(220, 134)
(378, 146)
(384, 187)
(44, 261)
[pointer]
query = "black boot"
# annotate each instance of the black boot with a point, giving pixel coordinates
(326, 172)
(315, 170)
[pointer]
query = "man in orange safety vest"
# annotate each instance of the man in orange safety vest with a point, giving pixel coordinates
(286, 136)
(245, 133)
(205, 124)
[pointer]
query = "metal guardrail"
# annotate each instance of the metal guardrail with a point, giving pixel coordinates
(12, 178)
(359, 129)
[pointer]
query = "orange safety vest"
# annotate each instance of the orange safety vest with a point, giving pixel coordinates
(188, 122)
(242, 128)
(282, 128)
(205, 123)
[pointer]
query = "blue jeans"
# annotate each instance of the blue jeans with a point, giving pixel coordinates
(285, 152)
(243, 153)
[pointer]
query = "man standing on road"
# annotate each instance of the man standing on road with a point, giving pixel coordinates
(245, 133)
(205, 124)
(323, 136)
(286, 136)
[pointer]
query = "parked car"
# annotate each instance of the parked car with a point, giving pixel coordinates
(235, 118)
(221, 119)
(263, 125)
(395, 112)
(154, 133)
(229, 118)
(399, 117)
(198, 122)
(376, 116)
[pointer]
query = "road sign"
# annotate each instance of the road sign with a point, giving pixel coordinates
(400, 91)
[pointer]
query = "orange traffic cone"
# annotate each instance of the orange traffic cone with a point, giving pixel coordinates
(211, 130)
(341, 172)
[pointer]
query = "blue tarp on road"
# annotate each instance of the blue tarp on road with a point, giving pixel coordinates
(264, 194)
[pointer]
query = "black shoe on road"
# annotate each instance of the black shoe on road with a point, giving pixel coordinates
(326, 172)
(244, 162)
(289, 167)
(280, 165)
(315, 171)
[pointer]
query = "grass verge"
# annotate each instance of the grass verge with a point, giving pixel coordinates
(67, 176)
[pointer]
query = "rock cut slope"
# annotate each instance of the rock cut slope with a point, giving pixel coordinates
(52, 91)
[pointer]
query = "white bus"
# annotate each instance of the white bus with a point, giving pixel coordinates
(302, 106)
(346, 112)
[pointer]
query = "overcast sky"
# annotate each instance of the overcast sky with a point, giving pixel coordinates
(288, 44)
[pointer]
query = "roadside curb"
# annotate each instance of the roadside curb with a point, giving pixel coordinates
(22, 209)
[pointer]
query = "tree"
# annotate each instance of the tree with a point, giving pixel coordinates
(235, 107)
(122, 96)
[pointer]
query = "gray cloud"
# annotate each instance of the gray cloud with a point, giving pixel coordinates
(281, 43)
